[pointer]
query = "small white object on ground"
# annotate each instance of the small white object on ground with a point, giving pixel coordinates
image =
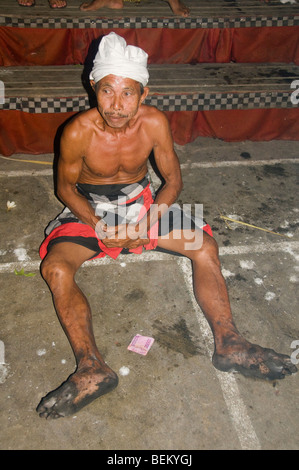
(124, 370)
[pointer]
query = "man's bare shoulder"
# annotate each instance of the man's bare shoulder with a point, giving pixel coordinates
(154, 118)
(80, 124)
(152, 113)
(155, 121)
(75, 135)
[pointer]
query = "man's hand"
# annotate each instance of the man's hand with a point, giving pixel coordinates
(123, 235)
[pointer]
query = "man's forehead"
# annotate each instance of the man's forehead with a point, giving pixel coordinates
(116, 80)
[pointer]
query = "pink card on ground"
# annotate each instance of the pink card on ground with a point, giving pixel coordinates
(141, 344)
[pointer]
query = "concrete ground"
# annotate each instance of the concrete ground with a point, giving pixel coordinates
(172, 398)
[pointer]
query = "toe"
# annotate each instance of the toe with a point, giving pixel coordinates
(289, 368)
(279, 365)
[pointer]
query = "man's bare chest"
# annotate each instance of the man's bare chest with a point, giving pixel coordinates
(111, 156)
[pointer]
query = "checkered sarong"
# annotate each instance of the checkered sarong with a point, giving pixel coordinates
(118, 204)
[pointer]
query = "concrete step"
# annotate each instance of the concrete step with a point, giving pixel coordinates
(180, 87)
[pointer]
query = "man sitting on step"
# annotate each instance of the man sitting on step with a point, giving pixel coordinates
(111, 208)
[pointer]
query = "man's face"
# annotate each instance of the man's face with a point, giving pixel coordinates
(118, 100)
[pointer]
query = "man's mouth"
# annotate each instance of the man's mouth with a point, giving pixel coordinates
(116, 116)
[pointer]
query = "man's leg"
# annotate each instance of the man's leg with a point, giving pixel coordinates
(178, 8)
(232, 351)
(92, 377)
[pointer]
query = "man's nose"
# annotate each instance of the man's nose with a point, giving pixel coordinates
(117, 103)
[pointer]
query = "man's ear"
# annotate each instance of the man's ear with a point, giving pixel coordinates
(92, 83)
(145, 93)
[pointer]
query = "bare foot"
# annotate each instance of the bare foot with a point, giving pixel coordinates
(252, 360)
(57, 3)
(80, 389)
(26, 3)
(178, 8)
(97, 4)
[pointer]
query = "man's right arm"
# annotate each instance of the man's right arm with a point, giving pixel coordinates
(69, 169)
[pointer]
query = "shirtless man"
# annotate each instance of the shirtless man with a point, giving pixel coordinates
(108, 147)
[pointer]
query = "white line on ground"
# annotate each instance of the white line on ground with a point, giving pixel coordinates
(286, 247)
(235, 405)
(16, 173)
(184, 166)
(221, 164)
(283, 246)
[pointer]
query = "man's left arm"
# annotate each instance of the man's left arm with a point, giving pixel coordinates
(169, 167)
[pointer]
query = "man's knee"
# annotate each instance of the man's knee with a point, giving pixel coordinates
(55, 270)
(208, 250)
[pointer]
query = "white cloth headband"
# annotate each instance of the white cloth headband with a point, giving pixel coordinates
(116, 58)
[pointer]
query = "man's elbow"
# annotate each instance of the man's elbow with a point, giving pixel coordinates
(62, 193)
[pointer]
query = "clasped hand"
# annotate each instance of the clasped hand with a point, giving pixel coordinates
(123, 235)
